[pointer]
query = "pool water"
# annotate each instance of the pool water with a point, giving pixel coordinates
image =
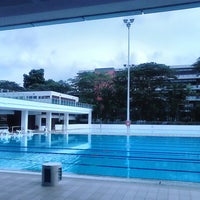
(146, 157)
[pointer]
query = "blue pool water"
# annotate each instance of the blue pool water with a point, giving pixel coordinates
(162, 158)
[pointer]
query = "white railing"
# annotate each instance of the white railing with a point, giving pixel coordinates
(51, 101)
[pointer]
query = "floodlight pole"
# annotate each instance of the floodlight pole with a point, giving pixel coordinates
(128, 23)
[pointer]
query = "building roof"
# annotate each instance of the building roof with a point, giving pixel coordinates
(8, 101)
(181, 66)
(39, 93)
(16, 104)
(106, 69)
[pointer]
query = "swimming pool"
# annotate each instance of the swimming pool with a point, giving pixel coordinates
(146, 157)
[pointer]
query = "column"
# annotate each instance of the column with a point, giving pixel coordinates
(24, 121)
(38, 122)
(48, 121)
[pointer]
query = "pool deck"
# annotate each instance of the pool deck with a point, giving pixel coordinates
(27, 186)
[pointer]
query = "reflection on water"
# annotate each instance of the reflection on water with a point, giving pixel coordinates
(16, 137)
(44, 140)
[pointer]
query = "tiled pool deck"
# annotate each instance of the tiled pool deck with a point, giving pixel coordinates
(22, 186)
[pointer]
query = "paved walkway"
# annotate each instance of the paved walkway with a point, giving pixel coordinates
(17, 186)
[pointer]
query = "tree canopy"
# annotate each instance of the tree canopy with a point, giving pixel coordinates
(155, 93)
(10, 86)
(34, 79)
(148, 83)
(197, 65)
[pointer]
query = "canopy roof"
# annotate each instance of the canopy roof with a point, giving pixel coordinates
(16, 104)
(28, 13)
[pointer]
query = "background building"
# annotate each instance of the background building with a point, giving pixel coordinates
(41, 110)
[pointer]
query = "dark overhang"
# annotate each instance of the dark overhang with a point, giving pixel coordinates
(29, 13)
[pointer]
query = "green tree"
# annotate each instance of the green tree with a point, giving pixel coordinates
(60, 86)
(197, 68)
(120, 94)
(197, 65)
(34, 79)
(196, 111)
(83, 87)
(96, 89)
(104, 91)
(10, 86)
(176, 100)
(148, 91)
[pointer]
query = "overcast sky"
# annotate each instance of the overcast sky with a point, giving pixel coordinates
(171, 38)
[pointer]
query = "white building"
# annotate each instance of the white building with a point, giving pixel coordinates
(42, 96)
(41, 110)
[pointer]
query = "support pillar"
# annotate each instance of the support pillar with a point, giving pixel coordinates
(38, 122)
(24, 121)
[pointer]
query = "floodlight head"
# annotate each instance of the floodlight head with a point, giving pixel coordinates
(131, 20)
(125, 21)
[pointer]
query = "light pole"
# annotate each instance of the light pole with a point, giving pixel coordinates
(128, 23)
